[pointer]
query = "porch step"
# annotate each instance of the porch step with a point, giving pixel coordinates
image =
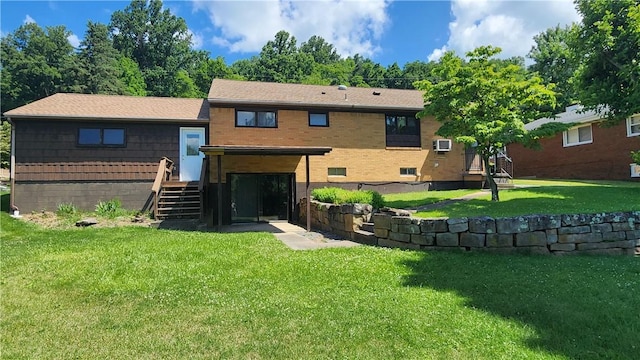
(367, 227)
(179, 200)
(365, 237)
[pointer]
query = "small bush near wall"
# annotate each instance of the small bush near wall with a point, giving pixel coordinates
(335, 195)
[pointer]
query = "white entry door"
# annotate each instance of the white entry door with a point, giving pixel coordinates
(191, 139)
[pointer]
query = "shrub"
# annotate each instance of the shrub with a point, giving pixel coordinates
(336, 195)
(66, 209)
(110, 209)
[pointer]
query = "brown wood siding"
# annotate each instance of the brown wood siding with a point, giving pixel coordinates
(607, 157)
(48, 151)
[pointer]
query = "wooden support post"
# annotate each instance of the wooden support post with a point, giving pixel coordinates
(219, 158)
(308, 194)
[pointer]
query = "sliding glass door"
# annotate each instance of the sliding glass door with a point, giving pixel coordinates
(260, 197)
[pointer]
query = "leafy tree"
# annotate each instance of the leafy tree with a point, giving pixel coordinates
(280, 61)
(555, 61)
(5, 144)
(36, 63)
(608, 43)
(367, 73)
(321, 51)
(483, 103)
(210, 69)
(103, 74)
(132, 77)
(393, 77)
(417, 70)
(157, 40)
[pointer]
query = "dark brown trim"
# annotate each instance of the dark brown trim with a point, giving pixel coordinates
(319, 107)
(263, 150)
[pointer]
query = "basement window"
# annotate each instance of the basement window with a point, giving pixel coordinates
(101, 137)
(408, 171)
(337, 171)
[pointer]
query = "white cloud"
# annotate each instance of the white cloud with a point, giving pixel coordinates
(74, 40)
(245, 26)
(197, 40)
(508, 24)
(28, 20)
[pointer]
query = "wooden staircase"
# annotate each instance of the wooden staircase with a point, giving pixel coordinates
(178, 200)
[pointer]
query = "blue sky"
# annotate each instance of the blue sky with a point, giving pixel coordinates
(382, 30)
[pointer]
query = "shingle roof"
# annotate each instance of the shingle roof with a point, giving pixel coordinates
(115, 107)
(572, 115)
(276, 94)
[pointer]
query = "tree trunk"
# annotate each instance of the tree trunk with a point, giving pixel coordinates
(492, 183)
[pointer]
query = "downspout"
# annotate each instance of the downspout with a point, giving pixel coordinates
(12, 170)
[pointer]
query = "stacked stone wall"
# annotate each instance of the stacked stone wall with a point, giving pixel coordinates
(343, 220)
(611, 233)
(605, 233)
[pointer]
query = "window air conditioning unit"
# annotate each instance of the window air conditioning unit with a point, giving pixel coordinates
(442, 145)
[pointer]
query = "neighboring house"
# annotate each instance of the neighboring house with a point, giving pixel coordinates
(82, 149)
(272, 143)
(586, 151)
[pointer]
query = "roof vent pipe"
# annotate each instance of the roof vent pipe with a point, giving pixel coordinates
(342, 87)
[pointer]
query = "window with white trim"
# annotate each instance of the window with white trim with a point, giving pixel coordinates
(578, 135)
(633, 126)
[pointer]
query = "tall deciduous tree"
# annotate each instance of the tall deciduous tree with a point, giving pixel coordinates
(321, 51)
(608, 42)
(281, 61)
(36, 63)
(157, 40)
(484, 103)
(555, 61)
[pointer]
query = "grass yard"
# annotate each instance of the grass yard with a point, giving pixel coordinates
(548, 197)
(159, 294)
(418, 198)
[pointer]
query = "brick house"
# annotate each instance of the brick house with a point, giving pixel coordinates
(271, 143)
(586, 151)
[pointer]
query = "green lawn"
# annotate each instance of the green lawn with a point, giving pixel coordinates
(138, 293)
(549, 197)
(418, 198)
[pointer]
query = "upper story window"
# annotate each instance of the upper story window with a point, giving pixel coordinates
(633, 125)
(402, 130)
(318, 119)
(262, 119)
(101, 137)
(578, 135)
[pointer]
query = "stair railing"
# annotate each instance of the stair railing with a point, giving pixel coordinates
(165, 168)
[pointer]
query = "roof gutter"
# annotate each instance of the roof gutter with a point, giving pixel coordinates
(298, 104)
(90, 117)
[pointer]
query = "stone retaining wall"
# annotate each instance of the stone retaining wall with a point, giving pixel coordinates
(607, 233)
(343, 220)
(611, 234)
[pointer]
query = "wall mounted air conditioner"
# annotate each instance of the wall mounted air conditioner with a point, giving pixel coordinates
(442, 145)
